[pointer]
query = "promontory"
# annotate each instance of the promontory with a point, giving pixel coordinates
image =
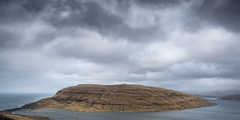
(119, 98)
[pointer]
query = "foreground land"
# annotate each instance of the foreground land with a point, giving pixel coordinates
(119, 98)
(9, 116)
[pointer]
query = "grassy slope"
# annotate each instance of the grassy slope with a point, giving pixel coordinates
(119, 98)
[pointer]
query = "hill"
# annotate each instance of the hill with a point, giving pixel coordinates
(119, 98)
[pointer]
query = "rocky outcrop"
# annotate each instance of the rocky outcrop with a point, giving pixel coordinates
(119, 98)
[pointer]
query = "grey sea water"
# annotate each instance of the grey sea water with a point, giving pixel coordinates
(10, 101)
(224, 110)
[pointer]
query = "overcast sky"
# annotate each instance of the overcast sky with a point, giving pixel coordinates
(186, 45)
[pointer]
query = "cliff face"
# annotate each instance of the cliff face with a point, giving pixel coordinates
(119, 98)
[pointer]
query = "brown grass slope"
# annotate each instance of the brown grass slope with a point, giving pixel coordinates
(119, 98)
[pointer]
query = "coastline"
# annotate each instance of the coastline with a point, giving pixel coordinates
(9, 115)
(159, 100)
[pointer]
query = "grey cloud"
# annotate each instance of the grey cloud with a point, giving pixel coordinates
(160, 3)
(82, 14)
(221, 12)
(15, 11)
(91, 15)
(154, 42)
(8, 40)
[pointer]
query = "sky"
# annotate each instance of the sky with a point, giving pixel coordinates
(186, 45)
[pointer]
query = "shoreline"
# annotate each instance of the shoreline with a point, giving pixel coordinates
(22, 107)
(9, 115)
(161, 100)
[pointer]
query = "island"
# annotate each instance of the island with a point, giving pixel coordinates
(232, 97)
(118, 98)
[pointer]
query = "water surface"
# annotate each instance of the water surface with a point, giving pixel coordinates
(10, 101)
(225, 110)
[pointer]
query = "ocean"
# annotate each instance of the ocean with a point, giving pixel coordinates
(224, 110)
(10, 101)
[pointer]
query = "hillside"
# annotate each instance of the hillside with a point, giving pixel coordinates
(119, 98)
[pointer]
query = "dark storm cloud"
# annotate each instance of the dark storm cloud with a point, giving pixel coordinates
(64, 14)
(34, 6)
(155, 42)
(80, 14)
(86, 14)
(160, 3)
(222, 12)
(8, 40)
(15, 11)
(11, 12)
(17, 15)
(91, 15)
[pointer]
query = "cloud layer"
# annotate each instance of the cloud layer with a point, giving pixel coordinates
(185, 45)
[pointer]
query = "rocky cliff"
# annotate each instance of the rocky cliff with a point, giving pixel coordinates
(119, 98)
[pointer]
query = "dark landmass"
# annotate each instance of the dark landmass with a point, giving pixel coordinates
(9, 116)
(220, 94)
(232, 97)
(119, 98)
